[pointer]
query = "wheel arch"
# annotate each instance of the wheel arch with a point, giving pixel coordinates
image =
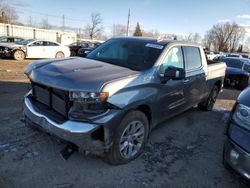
(218, 84)
(145, 109)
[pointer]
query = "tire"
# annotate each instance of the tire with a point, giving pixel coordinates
(243, 83)
(19, 55)
(73, 53)
(123, 149)
(209, 103)
(60, 55)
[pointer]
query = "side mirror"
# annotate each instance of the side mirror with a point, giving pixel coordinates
(173, 73)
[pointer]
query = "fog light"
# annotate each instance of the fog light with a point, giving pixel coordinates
(234, 156)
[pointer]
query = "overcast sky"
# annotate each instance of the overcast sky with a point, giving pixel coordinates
(166, 16)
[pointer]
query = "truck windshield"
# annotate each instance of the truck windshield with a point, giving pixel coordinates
(134, 54)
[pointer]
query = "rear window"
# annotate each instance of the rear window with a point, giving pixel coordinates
(131, 53)
(192, 57)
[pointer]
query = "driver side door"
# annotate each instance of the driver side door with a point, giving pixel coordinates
(35, 50)
(172, 92)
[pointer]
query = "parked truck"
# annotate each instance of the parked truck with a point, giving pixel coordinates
(110, 100)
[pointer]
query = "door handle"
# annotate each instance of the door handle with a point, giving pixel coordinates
(186, 80)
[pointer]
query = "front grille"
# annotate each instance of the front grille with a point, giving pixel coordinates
(54, 99)
(246, 67)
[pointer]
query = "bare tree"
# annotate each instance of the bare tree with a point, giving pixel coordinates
(94, 28)
(7, 13)
(193, 37)
(246, 45)
(224, 37)
(119, 30)
(208, 41)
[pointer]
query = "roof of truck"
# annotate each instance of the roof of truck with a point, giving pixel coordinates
(154, 40)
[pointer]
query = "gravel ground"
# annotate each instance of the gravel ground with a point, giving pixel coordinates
(185, 151)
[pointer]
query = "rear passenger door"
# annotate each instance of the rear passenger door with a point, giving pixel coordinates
(195, 75)
(50, 49)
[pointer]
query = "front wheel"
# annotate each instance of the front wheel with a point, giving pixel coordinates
(209, 103)
(59, 55)
(129, 139)
(19, 55)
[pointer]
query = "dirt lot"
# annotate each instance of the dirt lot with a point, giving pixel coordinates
(185, 151)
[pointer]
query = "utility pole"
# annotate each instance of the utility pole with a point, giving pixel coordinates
(63, 23)
(128, 22)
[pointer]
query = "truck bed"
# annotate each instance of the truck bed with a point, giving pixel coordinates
(215, 69)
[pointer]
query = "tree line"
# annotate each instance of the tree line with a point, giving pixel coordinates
(226, 37)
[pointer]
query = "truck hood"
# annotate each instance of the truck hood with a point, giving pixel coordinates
(235, 71)
(76, 73)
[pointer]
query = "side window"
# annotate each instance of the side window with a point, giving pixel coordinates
(3, 40)
(174, 58)
(48, 43)
(192, 57)
(18, 40)
(37, 43)
(10, 40)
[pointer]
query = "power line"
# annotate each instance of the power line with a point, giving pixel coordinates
(55, 16)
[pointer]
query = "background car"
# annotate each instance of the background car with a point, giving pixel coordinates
(5, 39)
(83, 51)
(237, 72)
(236, 153)
(34, 49)
(212, 55)
(74, 47)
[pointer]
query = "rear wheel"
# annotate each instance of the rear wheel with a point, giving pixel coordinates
(209, 103)
(19, 55)
(59, 55)
(130, 138)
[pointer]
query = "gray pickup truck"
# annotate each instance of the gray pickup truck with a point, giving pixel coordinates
(110, 100)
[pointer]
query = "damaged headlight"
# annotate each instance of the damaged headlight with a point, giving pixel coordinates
(242, 116)
(86, 104)
(88, 97)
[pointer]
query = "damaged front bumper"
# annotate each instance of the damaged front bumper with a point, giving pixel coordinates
(237, 149)
(93, 136)
(5, 52)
